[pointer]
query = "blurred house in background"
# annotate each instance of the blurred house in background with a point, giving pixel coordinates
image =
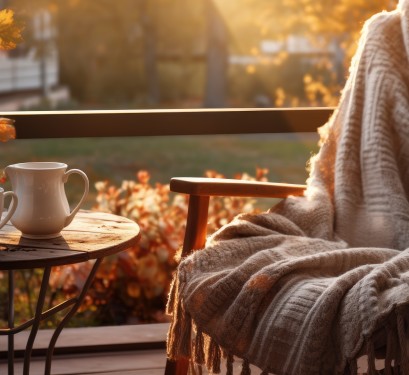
(29, 74)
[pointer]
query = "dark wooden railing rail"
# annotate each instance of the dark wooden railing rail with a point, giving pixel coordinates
(123, 123)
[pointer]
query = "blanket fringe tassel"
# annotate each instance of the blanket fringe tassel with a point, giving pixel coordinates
(213, 357)
(229, 364)
(397, 347)
(391, 346)
(199, 354)
(245, 369)
(371, 358)
(402, 325)
(180, 330)
(352, 367)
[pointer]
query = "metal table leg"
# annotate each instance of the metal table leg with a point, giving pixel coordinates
(37, 320)
(39, 316)
(10, 338)
(67, 317)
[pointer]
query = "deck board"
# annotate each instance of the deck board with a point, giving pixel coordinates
(93, 339)
(126, 363)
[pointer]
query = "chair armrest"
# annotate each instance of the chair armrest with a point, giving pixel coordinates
(233, 188)
(201, 189)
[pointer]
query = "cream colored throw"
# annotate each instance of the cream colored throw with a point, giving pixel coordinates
(322, 279)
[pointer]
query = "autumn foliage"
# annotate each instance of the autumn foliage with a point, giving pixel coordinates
(10, 32)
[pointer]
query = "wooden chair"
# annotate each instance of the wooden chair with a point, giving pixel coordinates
(200, 190)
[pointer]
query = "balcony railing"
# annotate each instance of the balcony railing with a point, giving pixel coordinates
(134, 123)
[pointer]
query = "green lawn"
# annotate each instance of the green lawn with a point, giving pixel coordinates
(117, 159)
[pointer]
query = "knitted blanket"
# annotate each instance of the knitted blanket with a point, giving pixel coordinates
(322, 279)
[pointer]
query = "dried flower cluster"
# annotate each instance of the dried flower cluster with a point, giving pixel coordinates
(133, 286)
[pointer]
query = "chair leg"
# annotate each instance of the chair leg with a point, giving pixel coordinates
(196, 224)
(179, 367)
(195, 238)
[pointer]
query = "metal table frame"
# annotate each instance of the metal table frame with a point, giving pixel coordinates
(39, 316)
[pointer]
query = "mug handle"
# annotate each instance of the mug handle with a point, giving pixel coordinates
(11, 209)
(84, 195)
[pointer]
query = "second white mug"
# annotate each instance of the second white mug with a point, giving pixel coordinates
(12, 207)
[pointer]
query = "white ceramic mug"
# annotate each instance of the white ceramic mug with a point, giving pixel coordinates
(43, 209)
(12, 207)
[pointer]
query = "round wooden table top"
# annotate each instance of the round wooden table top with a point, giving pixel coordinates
(91, 235)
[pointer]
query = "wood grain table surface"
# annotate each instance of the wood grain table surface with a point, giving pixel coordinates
(91, 235)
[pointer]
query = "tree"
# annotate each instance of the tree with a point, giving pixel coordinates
(146, 21)
(216, 57)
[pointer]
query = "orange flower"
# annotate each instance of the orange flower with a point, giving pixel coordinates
(143, 177)
(133, 289)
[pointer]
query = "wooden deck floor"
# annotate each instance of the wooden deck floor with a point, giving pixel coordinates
(150, 362)
(124, 350)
